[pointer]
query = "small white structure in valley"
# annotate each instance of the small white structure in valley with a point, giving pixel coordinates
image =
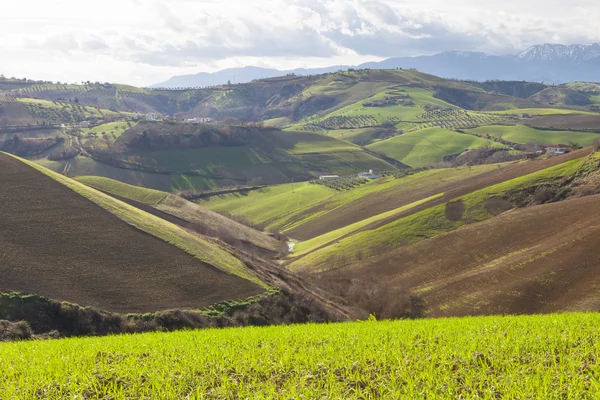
(325, 177)
(368, 175)
(198, 120)
(152, 117)
(557, 150)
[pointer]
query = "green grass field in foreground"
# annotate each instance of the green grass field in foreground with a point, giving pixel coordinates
(519, 357)
(524, 134)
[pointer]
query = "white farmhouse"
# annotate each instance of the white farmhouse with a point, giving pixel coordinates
(368, 175)
(557, 150)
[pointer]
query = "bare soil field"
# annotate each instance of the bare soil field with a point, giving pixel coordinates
(57, 244)
(567, 121)
(400, 195)
(534, 260)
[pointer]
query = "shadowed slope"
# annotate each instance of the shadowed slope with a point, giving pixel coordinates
(60, 245)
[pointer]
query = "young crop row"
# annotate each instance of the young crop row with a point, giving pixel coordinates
(130, 94)
(342, 183)
(457, 120)
(346, 122)
(520, 357)
(47, 88)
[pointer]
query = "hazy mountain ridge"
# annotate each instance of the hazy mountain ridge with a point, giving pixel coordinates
(551, 63)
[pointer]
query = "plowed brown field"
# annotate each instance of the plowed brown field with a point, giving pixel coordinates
(534, 260)
(57, 244)
(401, 195)
(567, 121)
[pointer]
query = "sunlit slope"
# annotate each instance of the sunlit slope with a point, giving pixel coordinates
(475, 201)
(189, 215)
(429, 146)
(520, 357)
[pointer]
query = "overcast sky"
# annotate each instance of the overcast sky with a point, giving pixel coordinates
(146, 41)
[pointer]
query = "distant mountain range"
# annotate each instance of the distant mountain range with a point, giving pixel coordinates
(550, 63)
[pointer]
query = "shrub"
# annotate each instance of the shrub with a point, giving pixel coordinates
(15, 330)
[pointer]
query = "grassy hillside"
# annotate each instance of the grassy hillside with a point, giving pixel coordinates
(270, 207)
(445, 215)
(187, 214)
(83, 246)
(525, 357)
(525, 134)
(312, 244)
(429, 146)
(531, 260)
(305, 210)
(150, 197)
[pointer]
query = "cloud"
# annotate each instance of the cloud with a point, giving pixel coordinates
(190, 36)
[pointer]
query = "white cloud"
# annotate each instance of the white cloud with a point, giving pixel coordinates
(144, 41)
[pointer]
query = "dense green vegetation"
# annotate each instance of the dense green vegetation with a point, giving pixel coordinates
(549, 357)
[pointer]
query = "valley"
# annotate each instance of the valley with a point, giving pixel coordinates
(365, 194)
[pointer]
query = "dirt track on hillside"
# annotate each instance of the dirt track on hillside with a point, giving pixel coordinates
(57, 244)
(533, 260)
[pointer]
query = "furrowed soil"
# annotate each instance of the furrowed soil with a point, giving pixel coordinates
(567, 121)
(399, 196)
(539, 259)
(57, 244)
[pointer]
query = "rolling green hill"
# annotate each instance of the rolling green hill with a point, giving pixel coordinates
(305, 210)
(447, 213)
(429, 146)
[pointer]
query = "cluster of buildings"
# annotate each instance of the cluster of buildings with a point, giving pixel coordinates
(198, 120)
(551, 150)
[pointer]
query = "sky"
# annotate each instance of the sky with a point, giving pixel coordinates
(141, 42)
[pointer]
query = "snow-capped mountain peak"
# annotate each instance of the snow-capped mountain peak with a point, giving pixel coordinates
(555, 52)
